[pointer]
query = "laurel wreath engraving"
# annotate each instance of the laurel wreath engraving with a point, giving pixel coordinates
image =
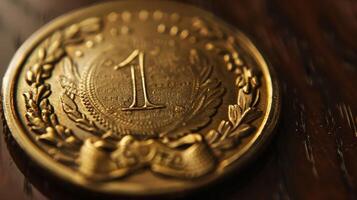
(67, 147)
(240, 115)
(230, 131)
(208, 98)
(40, 114)
(69, 82)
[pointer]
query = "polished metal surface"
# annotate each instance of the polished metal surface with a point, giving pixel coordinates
(140, 98)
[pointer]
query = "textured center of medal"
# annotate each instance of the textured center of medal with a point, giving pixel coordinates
(140, 90)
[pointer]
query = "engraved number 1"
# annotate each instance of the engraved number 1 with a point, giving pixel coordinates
(129, 61)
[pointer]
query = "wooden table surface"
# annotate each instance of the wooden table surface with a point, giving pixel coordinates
(311, 44)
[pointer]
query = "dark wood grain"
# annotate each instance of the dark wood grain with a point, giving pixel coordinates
(311, 44)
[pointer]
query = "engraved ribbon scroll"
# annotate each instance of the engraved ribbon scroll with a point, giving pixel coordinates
(188, 157)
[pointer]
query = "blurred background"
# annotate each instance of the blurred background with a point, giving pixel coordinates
(311, 44)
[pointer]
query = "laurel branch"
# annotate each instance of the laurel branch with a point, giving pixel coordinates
(40, 114)
(69, 83)
(207, 100)
(240, 115)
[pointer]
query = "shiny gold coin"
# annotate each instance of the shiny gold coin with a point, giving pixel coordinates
(140, 98)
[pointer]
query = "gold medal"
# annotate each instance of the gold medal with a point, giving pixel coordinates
(140, 98)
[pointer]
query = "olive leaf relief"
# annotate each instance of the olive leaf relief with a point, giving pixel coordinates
(81, 120)
(40, 114)
(69, 82)
(240, 115)
(208, 97)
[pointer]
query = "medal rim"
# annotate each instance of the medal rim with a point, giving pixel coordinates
(20, 134)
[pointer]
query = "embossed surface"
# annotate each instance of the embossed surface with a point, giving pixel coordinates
(193, 135)
(314, 155)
